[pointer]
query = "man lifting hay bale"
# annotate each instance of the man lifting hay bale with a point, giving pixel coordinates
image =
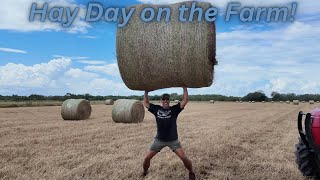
(167, 134)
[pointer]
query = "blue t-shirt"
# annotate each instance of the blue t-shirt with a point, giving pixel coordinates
(166, 121)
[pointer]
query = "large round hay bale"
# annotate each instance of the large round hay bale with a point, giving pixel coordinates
(287, 102)
(263, 101)
(109, 102)
(127, 111)
(211, 101)
(311, 102)
(295, 102)
(281, 102)
(253, 101)
(155, 55)
(272, 101)
(303, 101)
(75, 109)
(318, 101)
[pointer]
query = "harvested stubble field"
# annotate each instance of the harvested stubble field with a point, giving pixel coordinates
(223, 140)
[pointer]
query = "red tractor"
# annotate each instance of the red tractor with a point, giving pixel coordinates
(308, 149)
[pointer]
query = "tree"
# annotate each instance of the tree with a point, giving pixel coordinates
(255, 96)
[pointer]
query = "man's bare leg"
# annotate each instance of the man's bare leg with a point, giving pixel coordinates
(187, 163)
(147, 159)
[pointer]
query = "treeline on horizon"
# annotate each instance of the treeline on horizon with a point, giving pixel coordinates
(254, 96)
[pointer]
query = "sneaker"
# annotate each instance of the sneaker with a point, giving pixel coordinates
(192, 176)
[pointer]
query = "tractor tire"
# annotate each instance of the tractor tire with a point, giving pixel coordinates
(306, 161)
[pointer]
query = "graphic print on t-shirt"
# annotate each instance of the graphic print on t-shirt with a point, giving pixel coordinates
(164, 114)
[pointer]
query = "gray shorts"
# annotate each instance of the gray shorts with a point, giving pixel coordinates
(157, 145)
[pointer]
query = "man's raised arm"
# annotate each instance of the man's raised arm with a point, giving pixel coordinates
(146, 100)
(185, 98)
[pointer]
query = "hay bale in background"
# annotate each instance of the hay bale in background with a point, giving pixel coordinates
(272, 101)
(211, 101)
(318, 101)
(303, 101)
(287, 102)
(240, 101)
(263, 101)
(176, 101)
(127, 111)
(253, 101)
(75, 109)
(295, 102)
(155, 55)
(109, 102)
(311, 102)
(249, 101)
(281, 102)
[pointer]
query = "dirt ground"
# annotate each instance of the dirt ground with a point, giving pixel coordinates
(223, 140)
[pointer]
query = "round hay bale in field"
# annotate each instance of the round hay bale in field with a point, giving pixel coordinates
(156, 55)
(318, 101)
(311, 102)
(249, 101)
(295, 102)
(211, 101)
(281, 102)
(109, 102)
(303, 101)
(263, 101)
(287, 102)
(240, 101)
(272, 101)
(253, 101)
(75, 109)
(127, 111)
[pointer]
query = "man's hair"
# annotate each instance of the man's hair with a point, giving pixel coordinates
(165, 96)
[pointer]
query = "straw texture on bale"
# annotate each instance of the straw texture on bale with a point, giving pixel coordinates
(109, 102)
(75, 109)
(211, 101)
(311, 102)
(155, 55)
(127, 111)
(296, 102)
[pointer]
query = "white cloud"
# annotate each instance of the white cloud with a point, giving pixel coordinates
(36, 76)
(10, 50)
(278, 59)
(92, 62)
(88, 37)
(109, 69)
(15, 16)
(57, 77)
(71, 57)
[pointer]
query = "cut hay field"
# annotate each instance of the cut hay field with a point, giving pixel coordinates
(223, 140)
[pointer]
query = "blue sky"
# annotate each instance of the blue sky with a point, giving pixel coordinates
(45, 58)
